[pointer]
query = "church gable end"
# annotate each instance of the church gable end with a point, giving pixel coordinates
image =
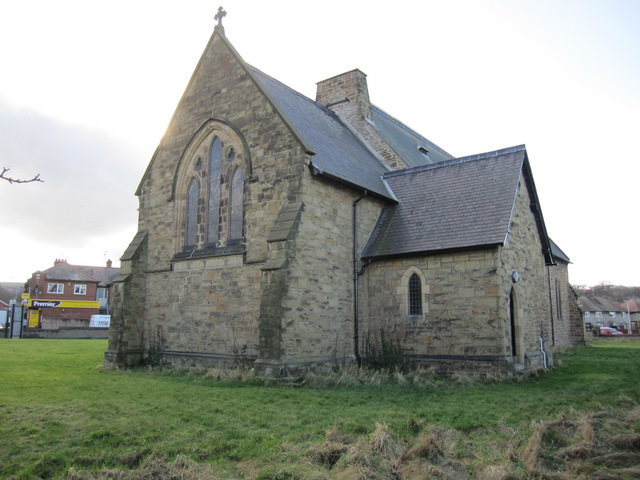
(225, 168)
(224, 152)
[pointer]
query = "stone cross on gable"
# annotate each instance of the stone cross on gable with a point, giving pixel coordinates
(220, 15)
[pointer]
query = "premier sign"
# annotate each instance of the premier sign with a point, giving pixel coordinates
(62, 304)
(46, 303)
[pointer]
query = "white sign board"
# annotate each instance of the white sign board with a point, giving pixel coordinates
(100, 321)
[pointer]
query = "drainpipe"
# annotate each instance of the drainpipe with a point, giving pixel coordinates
(356, 267)
(553, 330)
(544, 354)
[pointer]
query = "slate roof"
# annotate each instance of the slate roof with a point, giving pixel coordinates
(461, 203)
(405, 141)
(633, 305)
(105, 275)
(599, 304)
(337, 152)
(558, 254)
(63, 271)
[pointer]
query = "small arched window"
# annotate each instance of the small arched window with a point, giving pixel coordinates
(237, 203)
(191, 229)
(415, 295)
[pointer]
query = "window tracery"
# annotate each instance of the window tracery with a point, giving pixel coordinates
(210, 195)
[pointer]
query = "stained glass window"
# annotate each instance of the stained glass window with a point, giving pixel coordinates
(237, 197)
(213, 210)
(193, 193)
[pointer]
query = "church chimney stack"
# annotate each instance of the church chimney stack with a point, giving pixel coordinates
(348, 88)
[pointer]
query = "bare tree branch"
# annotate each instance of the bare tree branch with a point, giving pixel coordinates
(18, 180)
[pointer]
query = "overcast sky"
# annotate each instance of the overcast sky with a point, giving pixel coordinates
(87, 89)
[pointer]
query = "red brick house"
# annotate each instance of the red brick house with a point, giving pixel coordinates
(68, 295)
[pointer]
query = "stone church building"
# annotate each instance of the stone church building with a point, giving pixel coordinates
(289, 229)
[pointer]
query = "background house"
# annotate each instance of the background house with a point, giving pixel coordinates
(605, 312)
(631, 308)
(68, 295)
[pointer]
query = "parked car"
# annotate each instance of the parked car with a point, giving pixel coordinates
(610, 331)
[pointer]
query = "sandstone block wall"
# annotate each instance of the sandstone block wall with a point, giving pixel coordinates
(462, 310)
(523, 253)
(466, 320)
(316, 328)
(568, 328)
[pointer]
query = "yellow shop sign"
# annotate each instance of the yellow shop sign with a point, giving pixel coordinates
(62, 304)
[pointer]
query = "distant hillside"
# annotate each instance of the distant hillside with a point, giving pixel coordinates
(619, 293)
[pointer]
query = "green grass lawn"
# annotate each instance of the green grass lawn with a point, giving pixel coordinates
(64, 417)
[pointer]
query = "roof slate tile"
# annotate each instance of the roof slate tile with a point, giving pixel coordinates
(461, 203)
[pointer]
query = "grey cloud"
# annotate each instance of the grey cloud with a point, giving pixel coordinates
(90, 178)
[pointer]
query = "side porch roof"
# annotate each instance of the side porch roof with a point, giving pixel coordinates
(457, 204)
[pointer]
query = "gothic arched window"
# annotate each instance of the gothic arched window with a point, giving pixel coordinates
(415, 295)
(210, 190)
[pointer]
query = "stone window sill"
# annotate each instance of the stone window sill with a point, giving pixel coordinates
(210, 251)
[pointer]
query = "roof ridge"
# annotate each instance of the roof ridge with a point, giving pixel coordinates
(74, 267)
(457, 161)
